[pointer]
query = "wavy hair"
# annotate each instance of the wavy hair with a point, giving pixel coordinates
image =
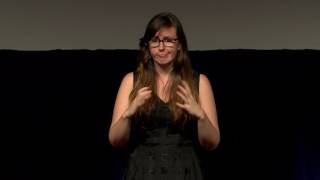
(145, 74)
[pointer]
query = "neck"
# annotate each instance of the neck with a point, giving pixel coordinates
(163, 70)
(163, 74)
(163, 80)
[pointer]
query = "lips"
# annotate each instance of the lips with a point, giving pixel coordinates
(162, 55)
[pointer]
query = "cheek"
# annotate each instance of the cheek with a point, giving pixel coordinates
(174, 52)
(152, 52)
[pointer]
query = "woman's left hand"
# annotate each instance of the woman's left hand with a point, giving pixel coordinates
(189, 102)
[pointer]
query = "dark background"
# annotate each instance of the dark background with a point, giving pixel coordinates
(56, 108)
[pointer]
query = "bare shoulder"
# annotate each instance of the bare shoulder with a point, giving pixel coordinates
(205, 89)
(204, 81)
(128, 78)
(127, 82)
(203, 77)
(125, 88)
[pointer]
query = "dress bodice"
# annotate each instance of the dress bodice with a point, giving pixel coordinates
(160, 129)
(162, 149)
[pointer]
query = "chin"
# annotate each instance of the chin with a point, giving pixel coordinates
(164, 60)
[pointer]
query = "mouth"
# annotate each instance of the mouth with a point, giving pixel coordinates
(162, 55)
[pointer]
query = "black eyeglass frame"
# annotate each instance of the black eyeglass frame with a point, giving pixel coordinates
(172, 42)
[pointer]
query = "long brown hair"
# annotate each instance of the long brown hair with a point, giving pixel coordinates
(145, 74)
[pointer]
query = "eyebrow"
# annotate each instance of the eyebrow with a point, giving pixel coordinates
(165, 37)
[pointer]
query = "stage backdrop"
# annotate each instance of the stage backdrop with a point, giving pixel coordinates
(56, 108)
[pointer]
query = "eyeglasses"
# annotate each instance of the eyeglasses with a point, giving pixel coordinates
(155, 42)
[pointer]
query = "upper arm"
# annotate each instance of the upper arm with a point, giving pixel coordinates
(207, 101)
(122, 99)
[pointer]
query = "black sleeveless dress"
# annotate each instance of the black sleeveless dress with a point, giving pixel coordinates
(162, 149)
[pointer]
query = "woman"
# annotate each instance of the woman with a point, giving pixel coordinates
(164, 109)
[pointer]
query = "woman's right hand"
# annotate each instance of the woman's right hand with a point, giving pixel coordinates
(142, 96)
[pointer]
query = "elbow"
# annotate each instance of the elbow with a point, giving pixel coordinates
(213, 145)
(116, 142)
(210, 144)
(112, 142)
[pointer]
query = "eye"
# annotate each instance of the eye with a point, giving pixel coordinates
(170, 40)
(154, 40)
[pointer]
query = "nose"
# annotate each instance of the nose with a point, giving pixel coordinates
(161, 45)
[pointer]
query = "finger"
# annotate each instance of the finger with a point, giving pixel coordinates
(183, 90)
(186, 85)
(147, 96)
(182, 106)
(144, 89)
(182, 96)
(188, 91)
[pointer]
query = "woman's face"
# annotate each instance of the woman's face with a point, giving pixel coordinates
(164, 46)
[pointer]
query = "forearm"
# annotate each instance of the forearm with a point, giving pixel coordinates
(119, 133)
(208, 135)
